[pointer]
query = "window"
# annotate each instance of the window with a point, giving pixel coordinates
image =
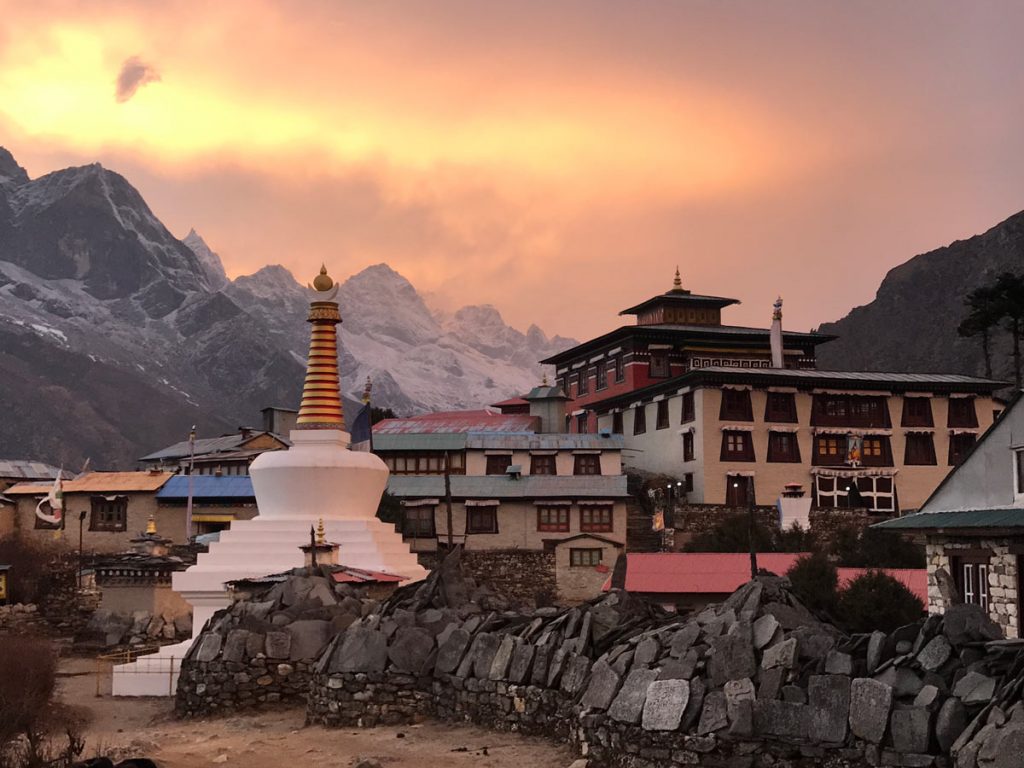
(418, 522)
(783, 447)
(542, 465)
(962, 412)
(850, 411)
(960, 446)
(737, 490)
(584, 558)
(582, 423)
(497, 465)
(689, 412)
(736, 405)
(587, 464)
(662, 420)
(829, 450)
(553, 518)
(620, 369)
(970, 573)
(737, 446)
(584, 386)
(639, 419)
(688, 446)
(659, 364)
(481, 519)
(109, 513)
(780, 407)
(874, 493)
(425, 463)
(876, 452)
(617, 423)
(1018, 465)
(563, 382)
(602, 375)
(920, 449)
(917, 412)
(594, 518)
(688, 482)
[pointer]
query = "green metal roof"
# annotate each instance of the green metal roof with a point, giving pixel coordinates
(505, 487)
(1006, 517)
(422, 441)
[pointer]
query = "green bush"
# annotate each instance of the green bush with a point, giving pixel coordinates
(816, 582)
(877, 601)
(871, 548)
(732, 534)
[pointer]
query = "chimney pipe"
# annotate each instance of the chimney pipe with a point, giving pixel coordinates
(778, 360)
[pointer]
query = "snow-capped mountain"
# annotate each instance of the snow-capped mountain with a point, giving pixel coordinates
(117, 337)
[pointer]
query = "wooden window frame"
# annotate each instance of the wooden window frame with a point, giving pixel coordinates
(583, 381)
(859, 411)
(482, 520)
(582, 423)
(620, 369)
(776, 453)
(970, 574)
(827, 458)
(553, 519)
(95, 511)
(653, 369)
(547, 461)
(601, 376)
(919, 450)
(688, 482)
(736, 405)
(595, 518)
(786, 414)
(589, 557)
(744, 439)
(415, 527)
(689, 408)
(922, 417)
(1018, 467)
(492, 462)
(876, 451)
(661, 417)
(967, 419)
(640, 420)
(737, 490)
(957, 453)
(581, 460)
(688, 446)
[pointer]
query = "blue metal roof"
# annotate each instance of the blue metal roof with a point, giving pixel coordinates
(208, 487)
(505, 487)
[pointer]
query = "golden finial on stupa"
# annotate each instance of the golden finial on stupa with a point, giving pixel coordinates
(677, 284)
(544, 381)
(323, 282)
(367, 390)
(321, 535)
(151, 525)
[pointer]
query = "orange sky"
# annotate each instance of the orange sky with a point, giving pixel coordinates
(554, 159)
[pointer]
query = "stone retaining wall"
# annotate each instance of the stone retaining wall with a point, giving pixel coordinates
(228, 686)
(526, 577)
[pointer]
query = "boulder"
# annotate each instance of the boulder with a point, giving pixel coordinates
(870, 702)
(876, 647)
(935, 653)
(910, 731)
(604, 684)
(974, 688)
(235, 645)
(575, 675)
(522, 659)
(770, 683)
(733, 655)
(208, 646)
(950, 723)
(782, 654)
(781, 718)
(628, 705)
(308, 638)
(666, 701)
(965, 623)
(764, 630)
(714, 715)
(838, 663)
(362, 650)
(829, 702)
(410, 649)
(647, 651)
(451, 652)
(485, 653)
(278, 645)
(683, 639)
(502, 658)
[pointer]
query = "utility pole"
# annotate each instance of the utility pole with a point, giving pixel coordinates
(191, 484)
(448, 499)
(751, 527)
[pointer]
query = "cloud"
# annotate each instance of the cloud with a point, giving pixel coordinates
(134, 74)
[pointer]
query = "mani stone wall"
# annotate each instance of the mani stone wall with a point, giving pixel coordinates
(524, 577)
(755, 681)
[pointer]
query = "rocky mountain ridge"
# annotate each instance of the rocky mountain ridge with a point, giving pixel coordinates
(158, 338)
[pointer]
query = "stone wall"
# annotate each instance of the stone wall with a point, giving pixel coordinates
(220, 686)
(523, 576)
(1002, 576)
(693, 519)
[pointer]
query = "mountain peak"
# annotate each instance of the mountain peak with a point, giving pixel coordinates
(212, 266)
(10, 170)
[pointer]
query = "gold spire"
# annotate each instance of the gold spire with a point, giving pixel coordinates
(367, 390)
(321, 535)
(677, 284)
(321, 406)
(151, 525)
(544, 381)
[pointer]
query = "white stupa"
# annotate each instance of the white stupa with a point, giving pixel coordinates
(318, 477)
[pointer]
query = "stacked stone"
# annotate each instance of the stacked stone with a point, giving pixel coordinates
(260, 650)
(110, 629)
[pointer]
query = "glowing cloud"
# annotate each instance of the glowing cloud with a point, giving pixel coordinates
(134, 74)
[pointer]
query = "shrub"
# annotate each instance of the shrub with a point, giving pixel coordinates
(816, 582)
(732, 534)
(878, 549)
(877, 601)
(37, 570)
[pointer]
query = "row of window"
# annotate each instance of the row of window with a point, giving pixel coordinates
(108, 515)
(838, 450)
(432, 463)
(578, 383)
(419, 522)
(875, 493)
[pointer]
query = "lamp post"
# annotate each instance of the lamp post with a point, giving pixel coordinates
(81, 557)
(751, 527)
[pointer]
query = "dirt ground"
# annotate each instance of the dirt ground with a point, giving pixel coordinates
(147, 728)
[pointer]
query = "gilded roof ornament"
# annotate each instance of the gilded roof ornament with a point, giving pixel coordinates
(677, 284)
(323, 281)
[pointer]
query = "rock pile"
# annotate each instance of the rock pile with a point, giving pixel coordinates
(260, 650)
(109, 629)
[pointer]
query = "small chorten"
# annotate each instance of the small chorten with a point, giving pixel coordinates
(319, 551)
(150, 543)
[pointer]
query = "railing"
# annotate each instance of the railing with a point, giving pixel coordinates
(127, 656)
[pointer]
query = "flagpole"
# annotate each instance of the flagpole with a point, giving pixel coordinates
(191, 469)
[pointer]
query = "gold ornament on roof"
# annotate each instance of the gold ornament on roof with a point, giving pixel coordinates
(321, 535)
(677, 284)
(544, 381)
(151, 525)
(323, 281)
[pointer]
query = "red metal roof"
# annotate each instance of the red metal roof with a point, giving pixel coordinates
(458, 421)
(725, 572)
(511, 401)
(359, 576)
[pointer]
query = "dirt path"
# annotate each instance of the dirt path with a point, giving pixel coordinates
(146, 727)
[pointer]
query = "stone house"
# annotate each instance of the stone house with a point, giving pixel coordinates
(111, 508)
(973, 526)
(217, 500)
